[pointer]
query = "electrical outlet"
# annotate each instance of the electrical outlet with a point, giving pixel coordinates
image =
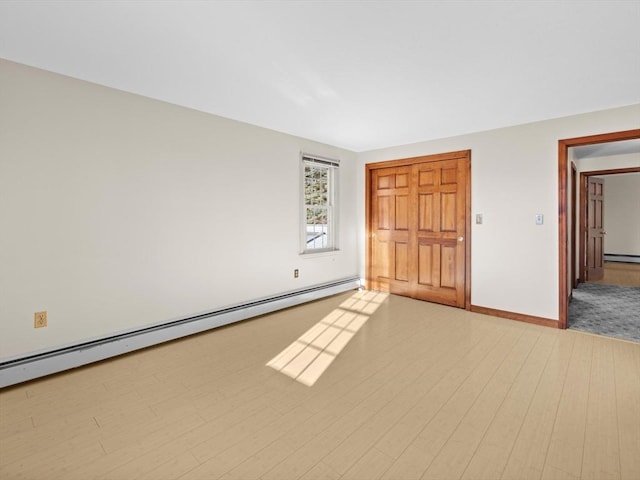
(296, 273)
(40, 319)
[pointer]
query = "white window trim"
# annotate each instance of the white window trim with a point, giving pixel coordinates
(334, 178)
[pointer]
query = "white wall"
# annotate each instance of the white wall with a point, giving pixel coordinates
(609, 162)
(118, 211)
(622, 214)
(514, 263)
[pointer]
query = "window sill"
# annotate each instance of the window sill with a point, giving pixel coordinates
(321, 253)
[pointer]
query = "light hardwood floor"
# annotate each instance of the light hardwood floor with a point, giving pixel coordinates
(619, 273)
(420, 391)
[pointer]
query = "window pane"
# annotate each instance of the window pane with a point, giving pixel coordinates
(316, 215)
(317, 228)
(316, 186)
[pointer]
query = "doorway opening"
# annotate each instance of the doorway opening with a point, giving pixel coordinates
(591, 226)
(566, 283)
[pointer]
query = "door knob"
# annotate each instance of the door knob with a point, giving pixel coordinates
(461, 239)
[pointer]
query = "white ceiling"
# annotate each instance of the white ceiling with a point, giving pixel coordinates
(355, 74)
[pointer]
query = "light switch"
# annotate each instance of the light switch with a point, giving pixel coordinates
(478, 219)
(539, 219)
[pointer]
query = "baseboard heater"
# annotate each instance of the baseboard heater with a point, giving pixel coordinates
(616, 257)
(39, 365)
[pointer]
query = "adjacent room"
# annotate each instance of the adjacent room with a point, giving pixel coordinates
(319, 240)
(606, 270)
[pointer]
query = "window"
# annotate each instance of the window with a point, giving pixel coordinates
(319, 188)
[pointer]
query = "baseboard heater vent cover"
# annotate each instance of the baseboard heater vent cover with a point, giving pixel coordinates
(28, 368)
(616, 257)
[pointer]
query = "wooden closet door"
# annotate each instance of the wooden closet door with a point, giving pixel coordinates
(390, 230)
(439, 258)
(417, 223)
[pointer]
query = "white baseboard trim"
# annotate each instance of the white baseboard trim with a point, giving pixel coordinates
(27, 368)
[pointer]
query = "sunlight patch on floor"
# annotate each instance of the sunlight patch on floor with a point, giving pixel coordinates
(306, 359)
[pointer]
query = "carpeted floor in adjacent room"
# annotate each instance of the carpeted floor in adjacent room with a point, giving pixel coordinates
(609, 310)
